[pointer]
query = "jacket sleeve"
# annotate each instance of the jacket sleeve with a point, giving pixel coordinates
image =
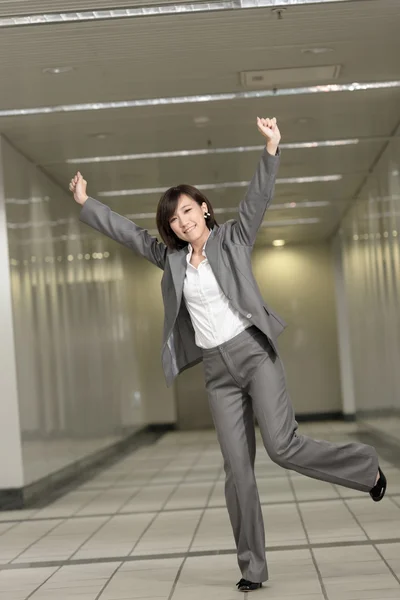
(257, 199)
(122, 230)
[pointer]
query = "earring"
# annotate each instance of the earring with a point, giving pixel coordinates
(207, 215)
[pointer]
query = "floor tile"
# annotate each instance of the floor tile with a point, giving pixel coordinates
(170, 532)
(381, 520)
(329, 522)
(150, 498)
(283, 526)
(134, 523)
(116, 538)
(22, 536)
(311, 489)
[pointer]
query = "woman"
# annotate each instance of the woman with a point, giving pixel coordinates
(214, 312)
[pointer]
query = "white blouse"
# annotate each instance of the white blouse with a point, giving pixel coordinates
(213, 318)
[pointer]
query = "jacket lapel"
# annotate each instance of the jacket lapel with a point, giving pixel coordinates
(178, 265)
(177, 262)
(213, 254)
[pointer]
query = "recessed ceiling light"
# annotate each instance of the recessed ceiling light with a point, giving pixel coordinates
(99, 136)
(278, 243)
(57, 70)
(201, 121)
(316, 50)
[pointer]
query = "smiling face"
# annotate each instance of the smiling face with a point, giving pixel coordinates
(180, 217)
(188, 222)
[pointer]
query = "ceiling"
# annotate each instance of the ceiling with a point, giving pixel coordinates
(199, 54)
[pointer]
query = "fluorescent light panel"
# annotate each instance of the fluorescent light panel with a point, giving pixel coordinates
(207, 151)
(317, 89)
(148, 11)
(234, 209)
(152, 215)
(218, 186)
(286, 222)
(266, 224)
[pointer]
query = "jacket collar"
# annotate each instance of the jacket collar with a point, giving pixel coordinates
(178, 263)
(190, 248)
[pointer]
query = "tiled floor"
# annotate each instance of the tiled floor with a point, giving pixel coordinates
(155, 527)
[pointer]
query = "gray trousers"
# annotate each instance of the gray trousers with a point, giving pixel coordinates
(244, 377)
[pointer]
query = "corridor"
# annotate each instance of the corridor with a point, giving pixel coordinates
(154, 526)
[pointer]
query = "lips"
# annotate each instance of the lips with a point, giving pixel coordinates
(190, 229)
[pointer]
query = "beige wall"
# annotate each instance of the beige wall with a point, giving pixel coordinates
(11, 471)
(369, 242)
(143, 285)
(87, 331)
(298, 283)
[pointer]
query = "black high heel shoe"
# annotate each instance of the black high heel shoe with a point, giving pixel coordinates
(248, 586)
(379, 489)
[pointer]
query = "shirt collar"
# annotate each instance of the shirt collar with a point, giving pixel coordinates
(190, 248)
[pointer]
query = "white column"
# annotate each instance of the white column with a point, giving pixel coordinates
(343, 328)
(11, 468)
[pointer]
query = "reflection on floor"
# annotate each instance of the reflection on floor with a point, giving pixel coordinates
(155, 526)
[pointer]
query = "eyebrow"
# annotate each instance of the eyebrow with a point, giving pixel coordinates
(182, 208)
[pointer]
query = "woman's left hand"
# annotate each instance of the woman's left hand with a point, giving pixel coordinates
(270, 130)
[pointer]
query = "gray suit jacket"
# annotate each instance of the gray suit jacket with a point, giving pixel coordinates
(228, 251)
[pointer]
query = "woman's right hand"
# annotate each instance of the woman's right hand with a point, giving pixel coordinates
(78, 188)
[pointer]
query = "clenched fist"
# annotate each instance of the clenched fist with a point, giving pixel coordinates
(78, 188)
(269, 129)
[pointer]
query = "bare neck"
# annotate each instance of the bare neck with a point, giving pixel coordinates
(199, 244)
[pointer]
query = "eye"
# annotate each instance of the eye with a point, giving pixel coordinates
(172, 220)
(187, 210)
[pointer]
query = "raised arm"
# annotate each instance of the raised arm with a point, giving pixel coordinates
(119, 228)
(261, 188)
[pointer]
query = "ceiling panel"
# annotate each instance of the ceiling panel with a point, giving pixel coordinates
(202, 53)
(190, 54)
(50, 138)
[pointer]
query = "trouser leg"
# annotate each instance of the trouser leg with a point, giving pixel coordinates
(353, 465)
(234, 423)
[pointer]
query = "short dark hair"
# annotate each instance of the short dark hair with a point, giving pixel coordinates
(166, 209)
